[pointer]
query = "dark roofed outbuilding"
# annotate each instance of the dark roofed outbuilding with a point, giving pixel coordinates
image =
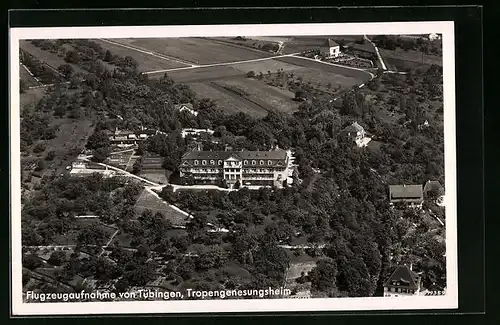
(403, 277)
(433, 186)
(406, 193)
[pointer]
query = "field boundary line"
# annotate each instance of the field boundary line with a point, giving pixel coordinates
(222, 63)
(152, 53)
(243, 47)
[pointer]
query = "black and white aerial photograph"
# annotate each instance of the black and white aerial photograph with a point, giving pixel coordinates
(228, 168)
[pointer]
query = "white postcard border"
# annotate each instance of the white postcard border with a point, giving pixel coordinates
(447, 301)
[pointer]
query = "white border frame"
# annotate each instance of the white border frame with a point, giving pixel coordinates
(447, 301)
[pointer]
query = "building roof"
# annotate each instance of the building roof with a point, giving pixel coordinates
(354, 127)
(405, 191)
(365, 47)
(433, 186)
(331, 43)
(243, 155)
(188, 105)
(404, 277)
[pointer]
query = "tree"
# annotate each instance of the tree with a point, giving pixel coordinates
(22, 86)
(40, 147)
(60, 111)
(91, 235)
(31, 261)
(237, 185)
(323, 276)
(251, 74)
(66, 70)
(136, 168)
(57, 258)
(108, 57)
(98, 139)
(100, 154)
(300, 95)
(40, 166)
(72, 57)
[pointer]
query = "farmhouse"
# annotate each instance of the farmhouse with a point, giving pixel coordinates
(356, 133)
(434, 37)
(131, 137)
(402, 282)
(330, 49)
(249, 168)
(409, 194)
(83, 168)
(196, 132)
(188, 107)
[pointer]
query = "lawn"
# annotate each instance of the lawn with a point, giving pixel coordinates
(147, 62)
(148, 200)
(412, 56)
(47, 57)
(70, 139)
(195, 50)
(322, 77)
(264, 66)
(203, 74)
(263, 94)
(229, 103)
(158, 176)
(31, 97)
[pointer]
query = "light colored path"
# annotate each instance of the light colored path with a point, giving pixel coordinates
(126, 173)
(320, 246)
(121, 151)
(142, 50)
(31, 74)
(377, 52)
(221, 64)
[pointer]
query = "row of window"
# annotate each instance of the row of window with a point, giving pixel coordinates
(402, 290)
(245, 162)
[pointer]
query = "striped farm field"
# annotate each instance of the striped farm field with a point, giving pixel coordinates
(148, 200)
(230, 103)
(195, 50)
(272, 98)
(147, 60)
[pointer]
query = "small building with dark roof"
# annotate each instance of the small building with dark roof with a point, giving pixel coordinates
(410, 194)
(188, 107)
(433, 186)
(402, 282)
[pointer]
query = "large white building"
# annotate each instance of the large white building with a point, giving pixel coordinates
(249, 168)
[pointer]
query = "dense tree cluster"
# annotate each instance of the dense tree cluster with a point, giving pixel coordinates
(51, 211)
(417, 44)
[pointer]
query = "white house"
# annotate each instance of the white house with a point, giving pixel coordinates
(195, 132)
(356, 133)
(331, 49)
(186, 107)
(434, 37)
